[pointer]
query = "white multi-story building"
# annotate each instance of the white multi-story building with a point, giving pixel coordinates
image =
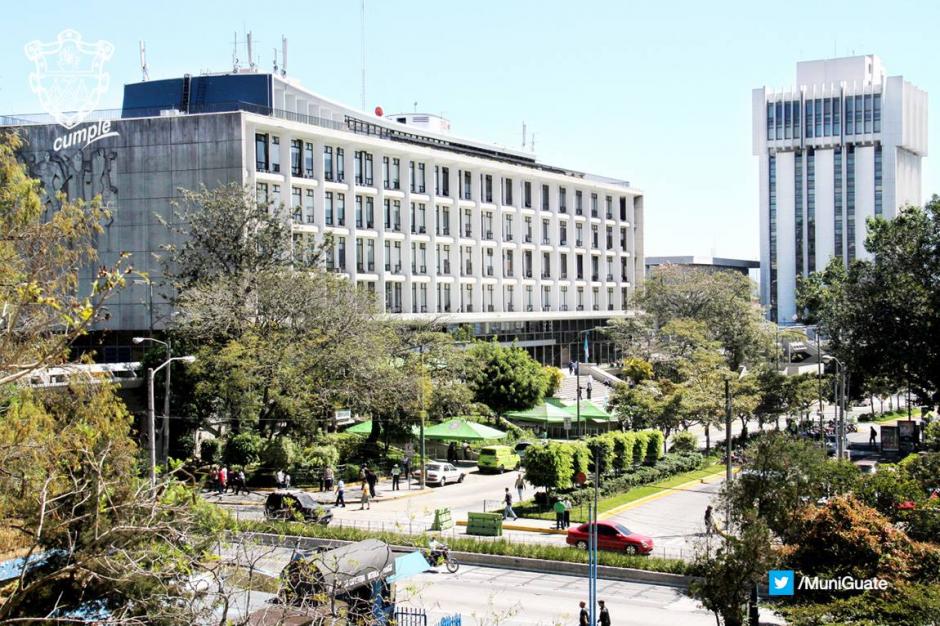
(435, 225)
(843, 145)
(443, 226)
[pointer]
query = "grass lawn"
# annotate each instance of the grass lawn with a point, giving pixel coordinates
(895, 415)
(579, 513)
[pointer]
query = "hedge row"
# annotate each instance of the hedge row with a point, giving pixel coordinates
(670, 465)
(555, 464)
(499, 547)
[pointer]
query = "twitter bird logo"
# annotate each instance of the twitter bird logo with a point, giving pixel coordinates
(780, 582)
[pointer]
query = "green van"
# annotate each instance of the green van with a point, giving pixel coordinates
(498, 459)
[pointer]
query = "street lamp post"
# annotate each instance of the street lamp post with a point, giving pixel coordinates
(592, 541)
(151, 416)
(577, 373)
(840, 385)
(165, 427)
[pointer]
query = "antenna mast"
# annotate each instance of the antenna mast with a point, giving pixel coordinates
(235, 53)
(362, 43)
(251, 58)
(283, 55)
(143, 62)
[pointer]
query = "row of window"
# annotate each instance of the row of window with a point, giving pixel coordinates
(772, 203)
(267, 159)
(452, 299)
(303, 211)
(822, 117)
(365, 261)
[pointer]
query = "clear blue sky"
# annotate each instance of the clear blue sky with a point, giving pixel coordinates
(654, 92)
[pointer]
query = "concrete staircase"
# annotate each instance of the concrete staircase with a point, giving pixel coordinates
(569, 389)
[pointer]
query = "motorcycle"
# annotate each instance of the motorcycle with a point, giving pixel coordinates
(439, 554)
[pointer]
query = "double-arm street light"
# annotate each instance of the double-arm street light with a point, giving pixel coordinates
(165, 428)
(840, 385)
(151, 413)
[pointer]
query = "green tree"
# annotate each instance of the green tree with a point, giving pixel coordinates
(882, 313)
(728, 572)
(45, 307)
(550, 465)
(637, 370)
(506, 378)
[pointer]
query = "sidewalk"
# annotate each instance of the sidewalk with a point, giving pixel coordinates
(383, 493)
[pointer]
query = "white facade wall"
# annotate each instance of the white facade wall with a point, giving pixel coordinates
(485, 291)
(837, 87)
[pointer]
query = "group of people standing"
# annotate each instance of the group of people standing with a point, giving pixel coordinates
(223, 478)
(452, 452)
(603, 615)
(562, 510)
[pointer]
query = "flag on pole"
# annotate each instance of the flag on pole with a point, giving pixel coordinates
(587, 356)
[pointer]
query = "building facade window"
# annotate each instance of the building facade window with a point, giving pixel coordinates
(296, 150)
(811, 209)
(275, 154)
(327, 163)
(836, 116)
(772, 206)
(850, 115)
(837, 204)
(261, 152)
(308, 160)
(562, 200)
(808, 119)
(876, 113)
(545, 199)
(798, 209)
(879, 207)
(850, 203)
(340, 165)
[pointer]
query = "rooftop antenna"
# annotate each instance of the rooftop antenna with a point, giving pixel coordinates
(362, 48)
(251, 58)
(523, 135)
(416, 106)
(235, 53)
(532, 144)
(275, 60)
(283, 56)
(143, 62)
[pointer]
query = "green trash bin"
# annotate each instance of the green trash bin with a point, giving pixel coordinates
(442, 520)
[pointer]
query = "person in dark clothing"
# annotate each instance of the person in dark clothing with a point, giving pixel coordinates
(452, 453)
(873, 437)
(406, 468)
(584, 618)
(709, 522)
(604, 619)
(589, 388)
(371, 480)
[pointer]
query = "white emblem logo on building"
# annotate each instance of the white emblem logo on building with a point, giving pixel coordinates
(69, 77)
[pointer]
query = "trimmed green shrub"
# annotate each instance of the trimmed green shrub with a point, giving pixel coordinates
(279, 453)
(317, 457)
(640, 440)
(684, 441)
(242, 449)
(580, 457)
(602, 452)
(654, 446)
(623, 450)
(550, 465)
(210, 450)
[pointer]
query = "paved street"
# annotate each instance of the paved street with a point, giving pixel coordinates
(490, 596)
(487, 596)
(674, 521)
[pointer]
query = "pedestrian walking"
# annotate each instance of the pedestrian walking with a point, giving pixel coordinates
(589, 388)
(584, 618)
(364, 501)
(279, 478)
(340, 494)
(406, 467)
(396, 473)
(328, 478)
(223, 479)
(238, 482)
(520, 485)
(567, 520)
(286, 480)
(213, 478)
(873, 437)
(709, 522)
(452, 453)
(604, 619)
(507, 512)
(371, 479)
(559, 508)
(466, 451)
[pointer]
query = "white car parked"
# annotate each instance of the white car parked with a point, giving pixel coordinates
(440, 474)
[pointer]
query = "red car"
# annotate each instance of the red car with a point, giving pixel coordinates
(611, 536)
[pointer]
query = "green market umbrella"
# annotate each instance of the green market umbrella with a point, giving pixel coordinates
(365, 428)
(589, 411)
(462, 430)
(552, 411)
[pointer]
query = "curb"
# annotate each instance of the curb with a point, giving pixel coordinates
(377, 499)
(530, 529)
(541, 566)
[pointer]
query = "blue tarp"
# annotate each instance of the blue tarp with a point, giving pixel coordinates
(409, 565)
